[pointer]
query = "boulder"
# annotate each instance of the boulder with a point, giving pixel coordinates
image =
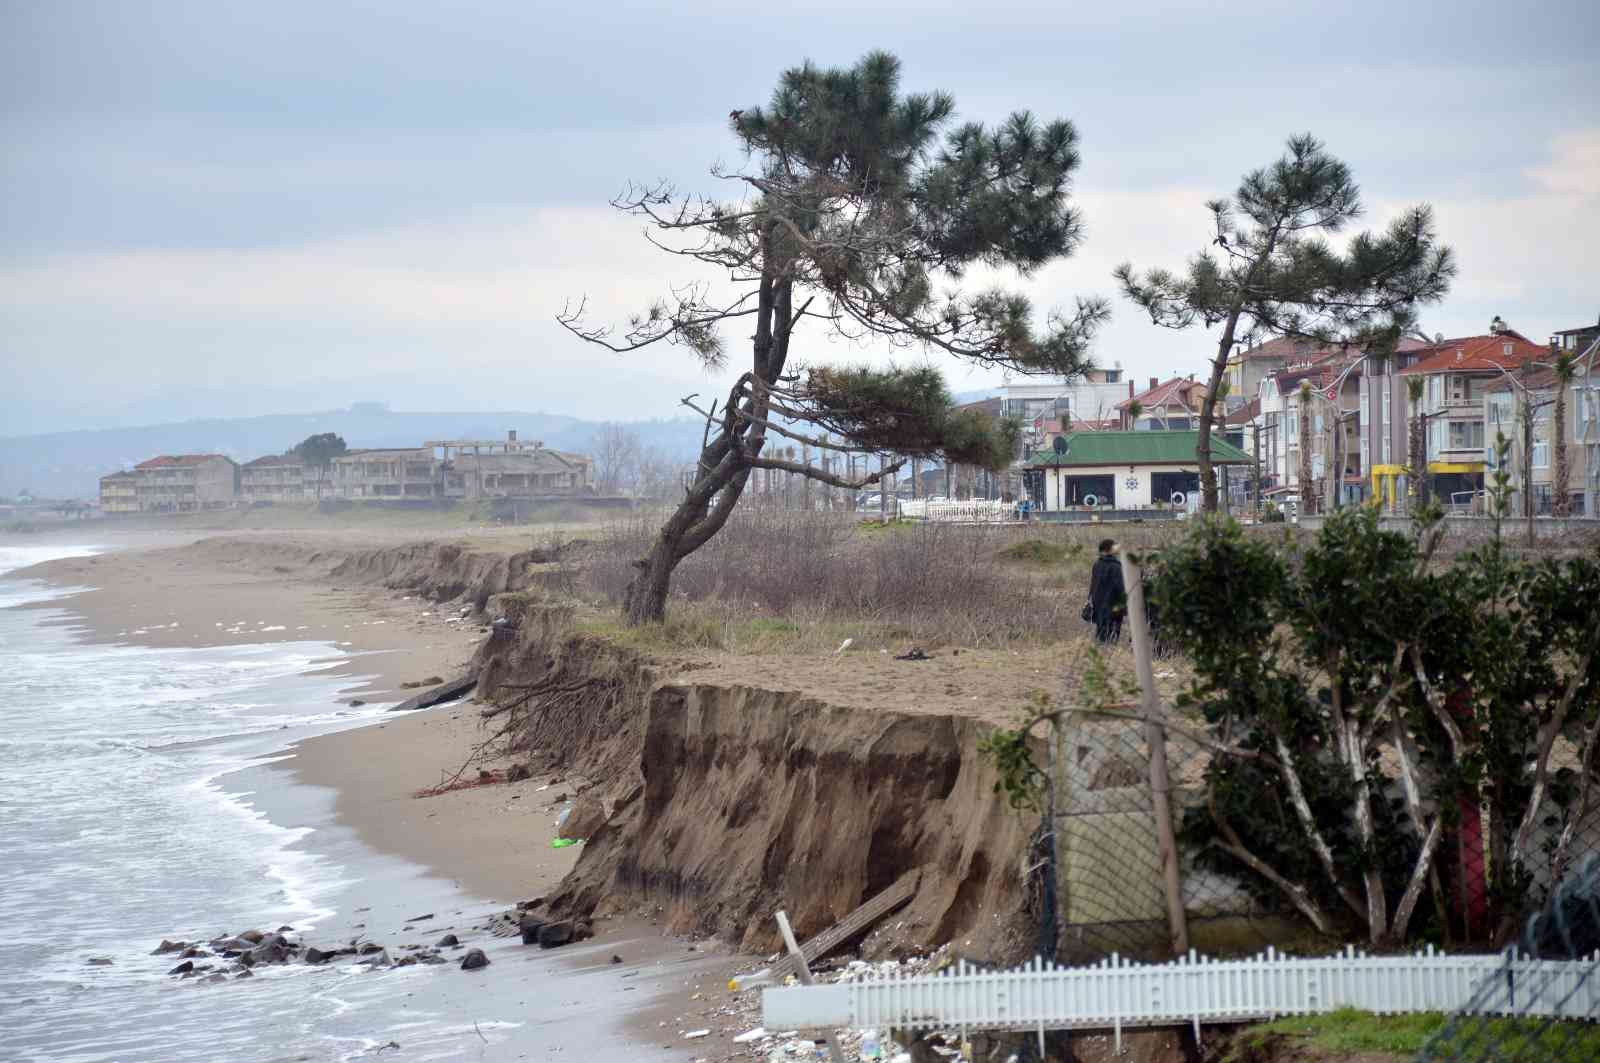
(518, 773)
(530, 926)
(169, 946)
(98, 961)
(185, 967)
(447, 941)
(473, 960)
(367, 948)
(588, 816)
(555, 935)
(316, 955)
(252, 936)
(269, 952)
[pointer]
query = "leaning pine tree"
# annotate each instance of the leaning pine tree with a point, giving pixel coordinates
(856, 203)
(1273, 274)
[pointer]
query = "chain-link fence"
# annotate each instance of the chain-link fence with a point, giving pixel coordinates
(1544, 999)
(1108, 860)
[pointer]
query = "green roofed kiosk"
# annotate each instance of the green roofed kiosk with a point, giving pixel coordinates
(1123, 471)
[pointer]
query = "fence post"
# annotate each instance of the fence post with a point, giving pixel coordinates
(1059, 801)
(1156, 739)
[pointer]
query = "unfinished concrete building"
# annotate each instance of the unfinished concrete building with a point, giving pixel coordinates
(412, 473)
(511, 468)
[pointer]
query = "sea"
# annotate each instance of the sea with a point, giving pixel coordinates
(136, 805)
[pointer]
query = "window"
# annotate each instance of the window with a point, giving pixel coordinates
(1466, 435)
(1541, 454)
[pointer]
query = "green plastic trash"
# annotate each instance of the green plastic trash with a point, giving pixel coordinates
(562, 843)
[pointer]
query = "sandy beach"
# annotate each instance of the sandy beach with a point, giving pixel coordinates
(473, 845)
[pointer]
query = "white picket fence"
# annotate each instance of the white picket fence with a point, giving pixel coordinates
(976, 511)
(1193, 989)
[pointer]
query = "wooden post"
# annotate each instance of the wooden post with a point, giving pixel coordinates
(1059, 803)
(883, 488)
(802, 971)
(1156, 738)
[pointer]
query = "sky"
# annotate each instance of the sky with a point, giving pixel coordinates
(228, 208)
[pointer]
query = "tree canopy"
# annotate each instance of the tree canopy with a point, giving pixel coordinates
(859, 213)
(1270, 271)
(320, 449)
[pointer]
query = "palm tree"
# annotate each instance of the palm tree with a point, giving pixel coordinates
(1565, 368)
(1308, 497)
(1417, 470)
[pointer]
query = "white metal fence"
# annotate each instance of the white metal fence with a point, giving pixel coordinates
(1193, 989)
(973, 511)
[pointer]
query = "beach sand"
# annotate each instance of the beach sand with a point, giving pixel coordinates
(490, 843)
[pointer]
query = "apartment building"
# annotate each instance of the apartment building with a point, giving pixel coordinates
(275, 478)
(119, 492)
(183, 483)
(1502, 410)
(1456, 376)
(1173, 405)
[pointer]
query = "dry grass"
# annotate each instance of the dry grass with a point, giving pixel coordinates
(792, 581)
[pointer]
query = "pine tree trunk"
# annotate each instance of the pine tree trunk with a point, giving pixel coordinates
(1208, 416)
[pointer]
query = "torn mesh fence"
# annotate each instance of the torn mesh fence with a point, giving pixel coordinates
(1544, 999)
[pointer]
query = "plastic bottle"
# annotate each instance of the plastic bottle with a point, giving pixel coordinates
(870, 1046)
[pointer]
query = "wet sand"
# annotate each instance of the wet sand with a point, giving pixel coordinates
(463, 855)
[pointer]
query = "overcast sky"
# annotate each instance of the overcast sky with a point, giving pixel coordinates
(228, 207)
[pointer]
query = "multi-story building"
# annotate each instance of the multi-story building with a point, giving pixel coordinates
(275, 478)
(183, 483)
(388, 473)
(1333, 379)
(1503, 403)
(511, 468)
(1457, 374)
(119, 492)
(1170, 406)
(1249, 366)
(1092, 397)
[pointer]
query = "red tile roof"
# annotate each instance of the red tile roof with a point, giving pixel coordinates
(1174, 391)
(1244, 414)
(274, 459)
(1507, 350)
(174, 460)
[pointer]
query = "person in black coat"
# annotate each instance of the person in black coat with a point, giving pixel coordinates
(1108, 600)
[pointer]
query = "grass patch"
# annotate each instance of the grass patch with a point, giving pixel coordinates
(1348, 1031)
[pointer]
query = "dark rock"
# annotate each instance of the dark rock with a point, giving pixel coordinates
(419, 918)
(273, 952)
(582, 932)
(286, 930)
(405, 961)
(185, 967)
(98, 961)
(355, 703)
(191, 952)
(447, 941)
(530, 927)
(473, 960)
(555, 935)
(367, 948)
(316, 955)
(518, 773)
(252, 936)
(615, 958)
(244, 974)
(246, 960)
(169, 946)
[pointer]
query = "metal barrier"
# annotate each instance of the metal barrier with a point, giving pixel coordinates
(1192, 989)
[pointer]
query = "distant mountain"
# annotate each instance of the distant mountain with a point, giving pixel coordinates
(69, 464)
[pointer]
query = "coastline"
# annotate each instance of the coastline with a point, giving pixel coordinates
(467, 853)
